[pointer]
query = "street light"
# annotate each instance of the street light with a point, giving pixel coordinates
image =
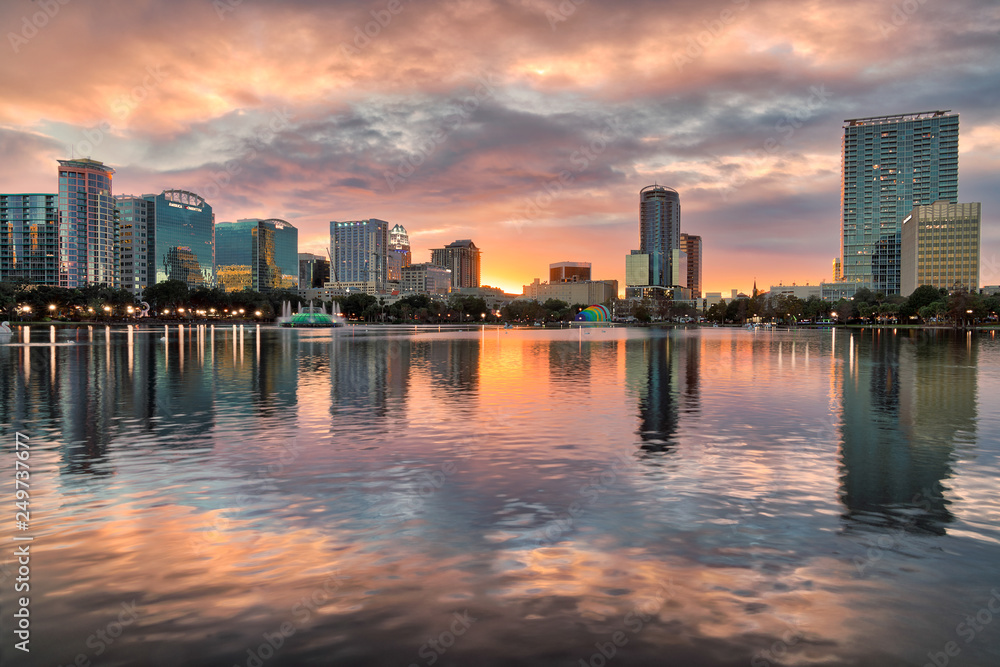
(256, 312)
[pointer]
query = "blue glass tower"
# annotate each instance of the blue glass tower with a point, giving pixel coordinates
(659, 231)
(890, 165)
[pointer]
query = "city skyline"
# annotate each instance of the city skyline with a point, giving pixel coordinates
(532, 142)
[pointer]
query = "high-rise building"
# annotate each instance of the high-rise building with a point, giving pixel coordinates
(169, 236)
(137, 229)
(426, 278)
(691, 245)
(255, 254)
(659, 230)
(463, 258)
(836, 269)
(399, 253)
(569, 272)
(359, 249)
(184, 247)
(29, 238)
(941, 246)
(890, 165)
(88, 225)
(314, 270)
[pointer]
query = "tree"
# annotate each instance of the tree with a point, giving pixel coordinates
(355, 305)
(168, 294)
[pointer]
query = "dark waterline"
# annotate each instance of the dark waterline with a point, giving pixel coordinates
(713, 497)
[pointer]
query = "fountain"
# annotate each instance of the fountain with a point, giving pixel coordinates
(308, 316)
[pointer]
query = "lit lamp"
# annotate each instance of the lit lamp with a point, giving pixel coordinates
(51, 307)
(257, 313)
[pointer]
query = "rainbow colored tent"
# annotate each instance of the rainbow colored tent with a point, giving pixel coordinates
(593, 314)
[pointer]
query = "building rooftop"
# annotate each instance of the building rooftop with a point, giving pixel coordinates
(896, 118)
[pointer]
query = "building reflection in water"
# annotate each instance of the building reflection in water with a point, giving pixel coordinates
(907, 400)
(662, 372)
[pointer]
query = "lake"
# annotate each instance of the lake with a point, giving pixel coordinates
(422, 496)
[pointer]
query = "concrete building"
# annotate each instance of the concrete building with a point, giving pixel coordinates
(426, 278)
(941, 247)
(88, 225)
(798, 291)
(691, 245)
(569, 272)
(588, 292)
(314, 271)
(359, 249)
(463, 258)
(890, 165)
(398, 254)
(29, 238)
(137, 228)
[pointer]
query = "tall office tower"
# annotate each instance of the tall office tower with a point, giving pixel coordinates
(314, 270)
(88, 225)
(136, 217)
(399, 253)
(890, 165)
(691, 245)
(836, 270)
(359, 249)
(569, 272)
(255, 254)
(463, 258)
(185, 238)
(29, 238)
(659, 230)
(940, 246)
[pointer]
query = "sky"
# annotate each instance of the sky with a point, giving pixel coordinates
(528, 126)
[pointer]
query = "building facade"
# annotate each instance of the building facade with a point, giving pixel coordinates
(890, 165)
(29, 238)
(941, 247)
(88, 225)
(184, 238)
(691, 245)
(314, 271)
(659, 230)
(463, 258)
(586, 292)
(255, 254)
(137, 229)
(359, 249)
(569, 272)
(426, 278)
(399, 253)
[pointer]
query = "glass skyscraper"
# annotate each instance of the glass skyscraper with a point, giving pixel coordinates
(890, 165)
(659, 231)
(184, 247)
(261, 255)
(359, 249)
(88, 225)
(399, 253)
(29, 238)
